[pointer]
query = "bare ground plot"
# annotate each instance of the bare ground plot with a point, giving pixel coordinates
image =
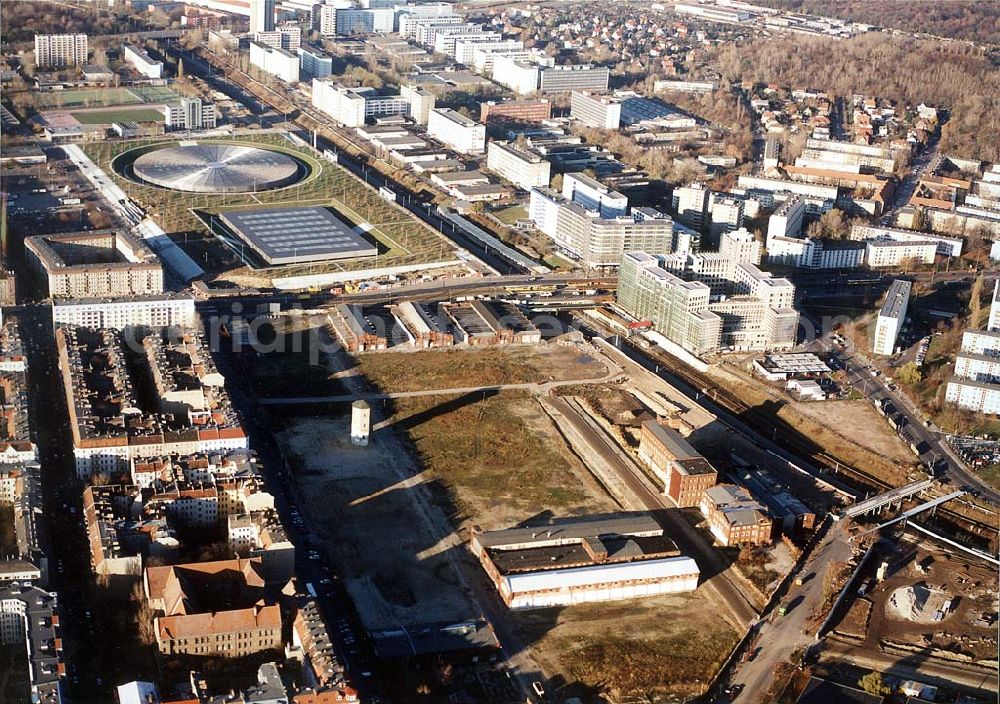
(395, 566)
(457, 368)
(665, 644)
(848, 430)
(499, 456)
(908, 608)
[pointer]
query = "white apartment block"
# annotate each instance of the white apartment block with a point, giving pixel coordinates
(190, 114)
(595, 241)
(567, 78)
(975, 385)
(600, 111)
(691, 204)
(314, 63)
(446, 38)
(324, 20)
(786, 221)
(484, 58)
(891, 317)
(150, 311)
(422, 30)
(287, 38)
(60, 50)
(352, 107)
(280, 63)
(142, 62)
(947, 246)
(456, 131)
(421, 102)
(518, 75)
(880, 254)
(778, 185)
(524, 169)
(465, 49)
(261, 16)
(594, 195)
(725, 215)
(994, 320)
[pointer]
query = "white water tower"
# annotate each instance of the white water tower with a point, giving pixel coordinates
(361, 422)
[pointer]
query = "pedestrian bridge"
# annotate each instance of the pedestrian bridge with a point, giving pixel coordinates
(893, 496)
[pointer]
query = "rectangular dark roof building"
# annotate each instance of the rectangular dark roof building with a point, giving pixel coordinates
(297, 235)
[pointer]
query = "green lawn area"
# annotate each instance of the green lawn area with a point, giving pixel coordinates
(991, 475)
(106, 117)
(94, 97)
(404, 239)
(511, 215)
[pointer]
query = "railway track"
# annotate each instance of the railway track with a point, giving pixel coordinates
(793, 441)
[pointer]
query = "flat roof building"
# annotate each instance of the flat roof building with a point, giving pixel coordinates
(891, 317)
(735, 517)
(95, 263)
(573, 561)
(684, 471)
(523, 168)
(297, 235)
(603, 112)
(60, 50)
(456, 131)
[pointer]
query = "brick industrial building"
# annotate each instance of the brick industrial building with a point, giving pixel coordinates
(684, 472)
(735, 517)
(572, 561)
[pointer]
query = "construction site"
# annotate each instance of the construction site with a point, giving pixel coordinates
(924, 609)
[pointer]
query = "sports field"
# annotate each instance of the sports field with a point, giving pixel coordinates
(103, 97)
(106, 117)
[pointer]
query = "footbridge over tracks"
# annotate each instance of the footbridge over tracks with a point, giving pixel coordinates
(888, 498)
(906, 515)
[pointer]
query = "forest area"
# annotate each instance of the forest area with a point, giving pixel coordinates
(960, 79)
(972, 20)
(23, 19)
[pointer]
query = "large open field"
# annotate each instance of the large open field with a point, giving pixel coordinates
(403, 239)
(94, 97)
(671, 644)
(108, 116)
(499, 457)
(441, 369)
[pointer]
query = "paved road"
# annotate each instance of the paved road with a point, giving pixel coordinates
(780, 636)
(874, 388)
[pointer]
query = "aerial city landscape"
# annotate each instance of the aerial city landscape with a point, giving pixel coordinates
(501, 351)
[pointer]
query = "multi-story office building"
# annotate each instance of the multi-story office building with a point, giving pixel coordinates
(594, 195)
(677, 309)
(280, 63)
(891, 317)
(189, 114)
(356, 21)
(446, 38)
(314, 63)
(142, 62)
(786, 221)
(60, 50)
(484, 60)
(523, 168)
(601, 111)
(685, 473)
(691, 204)
(595, 241)
(422, 29)
(288, 38)
(353, 106)
(261, 16)
(515, 111)
(155, 311)
(456, 131)
(516, 73)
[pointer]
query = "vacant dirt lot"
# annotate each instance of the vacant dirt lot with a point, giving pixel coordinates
(499, 456)
(849, 430)
(663, 644)
(357, 507)
(458, 368)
